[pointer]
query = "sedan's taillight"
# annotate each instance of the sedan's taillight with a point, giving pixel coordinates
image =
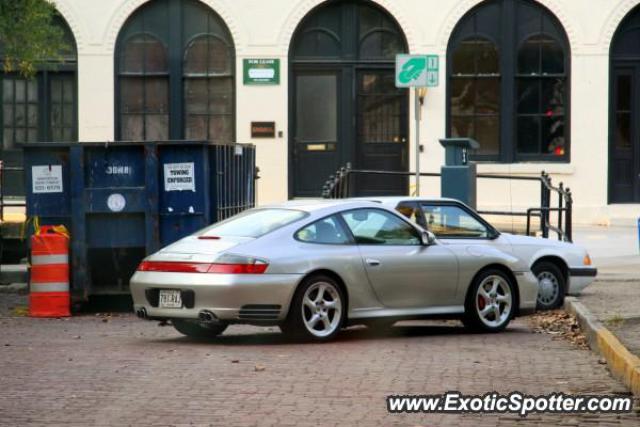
(240, 265)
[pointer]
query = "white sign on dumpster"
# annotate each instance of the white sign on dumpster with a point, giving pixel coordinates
(46, 179)
(179, 177)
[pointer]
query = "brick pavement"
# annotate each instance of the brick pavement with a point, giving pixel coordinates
(615, 302)
(87, 372)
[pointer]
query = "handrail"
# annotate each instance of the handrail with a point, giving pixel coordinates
(338, 186)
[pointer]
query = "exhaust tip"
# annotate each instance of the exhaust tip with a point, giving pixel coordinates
(206, 316)
(141, 313)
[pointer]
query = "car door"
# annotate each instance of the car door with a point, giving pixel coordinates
(403, 272)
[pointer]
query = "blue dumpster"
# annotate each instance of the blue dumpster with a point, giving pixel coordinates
(123, 201)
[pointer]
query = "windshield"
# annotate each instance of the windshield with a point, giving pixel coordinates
(253, 223)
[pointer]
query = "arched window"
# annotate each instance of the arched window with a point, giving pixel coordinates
(144, 88)
(475, 93)
(208, 89)
(175, 72)
(43, 108)
(508, 68)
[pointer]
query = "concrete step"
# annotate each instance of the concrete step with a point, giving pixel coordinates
(13, 273)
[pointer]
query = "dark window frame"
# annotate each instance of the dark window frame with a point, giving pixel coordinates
(208, 77)
(623, 61)
(143, 75)
(177, 47)
(46, 73)
(508, 48)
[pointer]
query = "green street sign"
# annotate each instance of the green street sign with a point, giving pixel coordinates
(416, 70)
(432, 70)
(261, 71)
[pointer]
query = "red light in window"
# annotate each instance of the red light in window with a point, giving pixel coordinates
(549, 113)
(559, 151)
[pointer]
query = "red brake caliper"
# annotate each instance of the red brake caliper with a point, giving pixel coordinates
(481, 302)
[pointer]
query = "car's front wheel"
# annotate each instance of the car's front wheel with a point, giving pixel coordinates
(195, 329)
(317, 311)
(551, 285)
(490, 302)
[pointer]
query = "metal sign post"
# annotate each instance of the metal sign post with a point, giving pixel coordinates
(418, 114)
(419, 72)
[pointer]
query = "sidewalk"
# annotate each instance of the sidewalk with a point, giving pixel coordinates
(614, 250)
(613, 300)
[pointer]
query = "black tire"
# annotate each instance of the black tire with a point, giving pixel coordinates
(295, 326)
(548, 298)
(195, 329)
(472, 318)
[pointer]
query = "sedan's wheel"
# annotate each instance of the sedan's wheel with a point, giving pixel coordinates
(195, 329)
(490, 302)
(551, 285)
(317, 310)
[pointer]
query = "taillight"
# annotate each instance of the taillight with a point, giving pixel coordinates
(174, 267)
(226, 264)
(238, 268)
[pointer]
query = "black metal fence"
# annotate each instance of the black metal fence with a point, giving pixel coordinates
(341, 186)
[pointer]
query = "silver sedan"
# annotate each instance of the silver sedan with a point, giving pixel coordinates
(314, 267)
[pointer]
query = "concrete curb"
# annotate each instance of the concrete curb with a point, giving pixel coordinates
(622, 364)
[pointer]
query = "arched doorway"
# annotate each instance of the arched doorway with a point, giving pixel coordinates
(624, 110)
(344, 106)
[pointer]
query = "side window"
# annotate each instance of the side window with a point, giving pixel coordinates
(453, 221)
(327, 230)
(375, 226)
(411, 211)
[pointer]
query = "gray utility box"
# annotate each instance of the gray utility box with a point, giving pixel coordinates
(458, 174)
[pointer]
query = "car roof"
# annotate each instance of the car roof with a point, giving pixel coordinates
(312, 205)
(393, 200)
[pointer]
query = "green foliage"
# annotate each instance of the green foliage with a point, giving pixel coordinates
(29, 36)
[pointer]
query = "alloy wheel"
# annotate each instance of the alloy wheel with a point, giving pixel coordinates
(321, 309)
(494, 301)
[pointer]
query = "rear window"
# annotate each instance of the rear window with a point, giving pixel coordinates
(253, 223)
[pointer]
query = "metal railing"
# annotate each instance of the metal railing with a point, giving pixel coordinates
(340, 186)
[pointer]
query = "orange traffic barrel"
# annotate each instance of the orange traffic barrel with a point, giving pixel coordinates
(49, 279)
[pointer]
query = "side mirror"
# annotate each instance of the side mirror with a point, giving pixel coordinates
(428, 238)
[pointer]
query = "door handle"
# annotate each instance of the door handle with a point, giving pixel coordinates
(372, 262)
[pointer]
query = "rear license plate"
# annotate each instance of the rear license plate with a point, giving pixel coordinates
(170, 298)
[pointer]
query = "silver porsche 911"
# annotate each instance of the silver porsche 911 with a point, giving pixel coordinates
(313, 267)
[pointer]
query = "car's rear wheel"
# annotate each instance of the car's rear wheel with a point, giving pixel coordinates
(490, 303)
(317, 311)
(551, 285)
(195, 329)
